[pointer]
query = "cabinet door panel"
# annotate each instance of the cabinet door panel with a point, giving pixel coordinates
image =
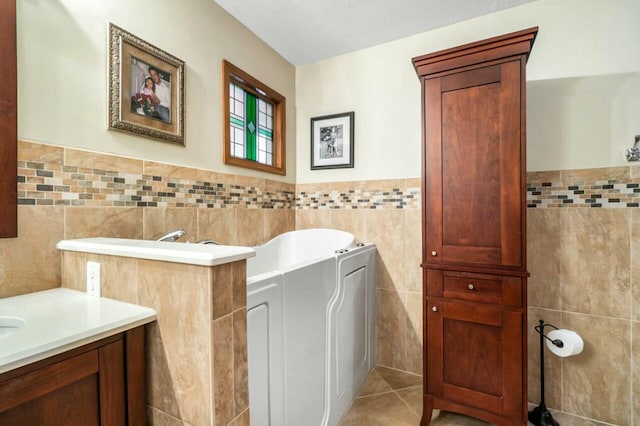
(475, 355)
(472, 165)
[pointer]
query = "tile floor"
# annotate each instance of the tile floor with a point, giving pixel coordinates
(393, 398)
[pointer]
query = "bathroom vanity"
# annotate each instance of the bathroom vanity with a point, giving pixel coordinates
(474, 228)
(72, 359)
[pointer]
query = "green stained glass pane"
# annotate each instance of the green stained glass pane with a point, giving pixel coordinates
(266, 133)
(236, 121)
(250, 119)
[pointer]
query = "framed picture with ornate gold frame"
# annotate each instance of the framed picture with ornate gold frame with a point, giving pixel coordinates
(146, 88)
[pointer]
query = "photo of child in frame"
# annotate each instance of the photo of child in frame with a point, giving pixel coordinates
(150, 91)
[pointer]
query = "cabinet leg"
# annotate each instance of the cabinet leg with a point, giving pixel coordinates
(427, 410)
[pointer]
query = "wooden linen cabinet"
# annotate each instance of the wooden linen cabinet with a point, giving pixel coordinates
(474, 228)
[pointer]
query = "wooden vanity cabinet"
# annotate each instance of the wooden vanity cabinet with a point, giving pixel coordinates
(101, 383)
(474, 228)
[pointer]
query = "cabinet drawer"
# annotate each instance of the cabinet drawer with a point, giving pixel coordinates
(484, 288)
(472, 288)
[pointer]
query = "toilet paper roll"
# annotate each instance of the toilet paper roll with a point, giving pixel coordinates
(572, 342)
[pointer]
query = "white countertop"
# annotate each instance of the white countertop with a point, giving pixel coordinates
(61, 319)
(194, 254)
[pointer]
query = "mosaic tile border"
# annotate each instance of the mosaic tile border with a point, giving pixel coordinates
(44, 184)
(597, 194)
(395, 198)
(44, 179)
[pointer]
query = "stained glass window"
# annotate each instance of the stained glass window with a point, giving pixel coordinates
(253, 113)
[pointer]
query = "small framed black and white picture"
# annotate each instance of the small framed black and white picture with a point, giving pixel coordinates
(332, 141)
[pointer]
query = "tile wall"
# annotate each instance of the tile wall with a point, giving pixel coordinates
(583, 233)
(583, 238)
(197, 349)
(68, 193)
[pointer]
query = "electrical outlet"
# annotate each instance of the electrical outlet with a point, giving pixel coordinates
(93, 279)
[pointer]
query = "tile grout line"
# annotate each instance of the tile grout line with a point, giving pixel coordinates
(407, 404)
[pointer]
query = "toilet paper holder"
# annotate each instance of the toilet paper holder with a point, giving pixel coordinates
(540, 416)
(540, 330)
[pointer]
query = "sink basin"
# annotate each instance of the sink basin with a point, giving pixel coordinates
(9, 325)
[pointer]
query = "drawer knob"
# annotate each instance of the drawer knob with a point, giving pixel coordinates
(434, 253)
(471, 287)
(434, 309)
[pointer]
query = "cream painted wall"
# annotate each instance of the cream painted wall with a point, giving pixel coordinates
(62, 75)
(577, 38)
(582, 122)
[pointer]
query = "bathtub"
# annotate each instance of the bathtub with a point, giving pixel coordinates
(311, 326)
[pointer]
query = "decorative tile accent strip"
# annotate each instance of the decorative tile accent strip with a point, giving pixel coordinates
(396, 198)
(610, 193)
(52, 184)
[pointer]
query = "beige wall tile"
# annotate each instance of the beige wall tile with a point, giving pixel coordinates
(250, 227)
(313, 218)
(31, 262)
(240, 366)
(215, 177)
(169, 171)
(305, 187)
(74, 270)
(536, 178)
(413, 250)
(118, 222)
(595, 262)
(413, 307)
(596, 383)
(278, 221)
(545, 238)
(635, 264)
(95, 160)
(119, 277)
(571, 177)
(635, 356)
(248, 181)
(386, 228)
(161, 394)
(392, 323)
(179, 346)
(239, 284)
(156, 417)
(343, 187)
(30, 151)
(223, 370)
(412, 183)
(222, 291)
(160, 221)
(350, 220)
(218, 225)
(553, 364)
(277, 186)
(635, 171)
(383, 184)
(243, 419)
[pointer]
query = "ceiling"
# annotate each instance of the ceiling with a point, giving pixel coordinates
(306, 31)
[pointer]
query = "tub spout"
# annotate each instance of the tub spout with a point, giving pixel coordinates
(173, 235)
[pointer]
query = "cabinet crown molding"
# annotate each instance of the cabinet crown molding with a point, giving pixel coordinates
(496, 48)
